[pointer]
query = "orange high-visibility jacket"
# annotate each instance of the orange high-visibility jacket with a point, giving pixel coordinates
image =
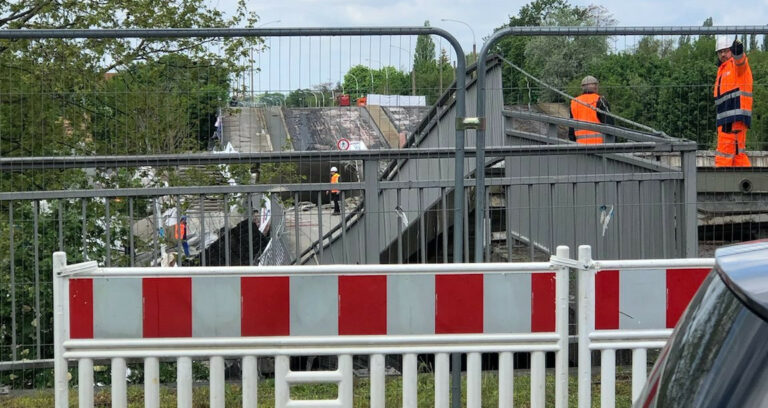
(180, 232)
(733, 92)
(584, 114)
(334, 180)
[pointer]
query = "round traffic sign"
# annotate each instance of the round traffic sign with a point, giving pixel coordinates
(343, 144)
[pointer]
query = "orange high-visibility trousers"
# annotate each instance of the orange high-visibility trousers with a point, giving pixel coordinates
(731, 146)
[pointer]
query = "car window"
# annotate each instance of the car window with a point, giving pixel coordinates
(718, 356)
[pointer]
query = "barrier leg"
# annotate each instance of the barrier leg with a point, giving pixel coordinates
(151, 382)
(378, 393)
(442, 383)
(250, 381)
(85, 382)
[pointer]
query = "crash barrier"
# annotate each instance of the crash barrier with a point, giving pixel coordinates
(628, 305)
(212, 313)
(247, 313)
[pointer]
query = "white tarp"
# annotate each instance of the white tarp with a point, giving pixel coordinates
(396, 100)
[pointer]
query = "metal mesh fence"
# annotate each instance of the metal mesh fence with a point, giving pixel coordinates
(104, 163)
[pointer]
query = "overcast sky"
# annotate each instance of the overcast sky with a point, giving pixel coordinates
(485, 15)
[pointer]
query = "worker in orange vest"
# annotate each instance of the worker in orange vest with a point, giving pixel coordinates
(335, 176)
(583, 109)
(180, 233)
(733, 103)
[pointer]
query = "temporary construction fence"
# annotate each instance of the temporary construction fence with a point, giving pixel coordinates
(246, 313)
(99, 221)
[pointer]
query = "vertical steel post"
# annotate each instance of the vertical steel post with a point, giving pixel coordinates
(370, 172)
(108, 232)
(227, 245)
(249, 208)
(12, 245)
(38, 322)
(202, 230)
(61, 226)
(690, 228)
(131, 252)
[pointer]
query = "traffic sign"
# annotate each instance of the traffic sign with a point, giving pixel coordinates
(343, 144)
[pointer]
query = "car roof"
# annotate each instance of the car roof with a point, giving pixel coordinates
(744, 268)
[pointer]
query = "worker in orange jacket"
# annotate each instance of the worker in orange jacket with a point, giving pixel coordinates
(180, 233)
(733, 102)
(583, 109)
(335, 176)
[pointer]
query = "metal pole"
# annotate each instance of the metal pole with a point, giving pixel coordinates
(690, 229)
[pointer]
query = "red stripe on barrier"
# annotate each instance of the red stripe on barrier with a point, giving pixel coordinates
(265, 306)
(459, 303)
(167, 307)
(363, 304)
(81, 308)
(607, 300)
(682, 284)
(543, 302)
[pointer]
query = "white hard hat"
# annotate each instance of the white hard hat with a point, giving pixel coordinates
(588, 80)
(334, 169)
(722, 42)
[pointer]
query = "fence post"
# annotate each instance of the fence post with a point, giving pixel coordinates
(60, 330)
(371, 174)
(586, 324)
(561, 356)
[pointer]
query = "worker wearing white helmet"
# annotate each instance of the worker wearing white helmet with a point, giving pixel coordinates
(585, 108)
(335, 176)
(733, 102)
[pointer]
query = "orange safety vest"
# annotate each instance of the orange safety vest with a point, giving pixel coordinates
(733, 92)
(584, 114)
(180, 231)
(335, 180)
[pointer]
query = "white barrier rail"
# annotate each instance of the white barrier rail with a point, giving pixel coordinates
(609, 341)
(214, 350)
(248, 349)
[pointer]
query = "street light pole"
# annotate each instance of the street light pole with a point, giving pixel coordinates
(474, 43)
(357, 84)
(252, 67)
(386, 73)
(413, 70)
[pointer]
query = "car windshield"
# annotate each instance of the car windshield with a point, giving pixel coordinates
(718, 356)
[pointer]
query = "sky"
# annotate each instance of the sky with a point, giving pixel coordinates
(478, 17)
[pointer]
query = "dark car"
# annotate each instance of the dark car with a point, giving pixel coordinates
(718, 353)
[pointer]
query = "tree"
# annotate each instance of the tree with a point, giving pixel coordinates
(515, 84)
(558, 60)
(424, 55)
